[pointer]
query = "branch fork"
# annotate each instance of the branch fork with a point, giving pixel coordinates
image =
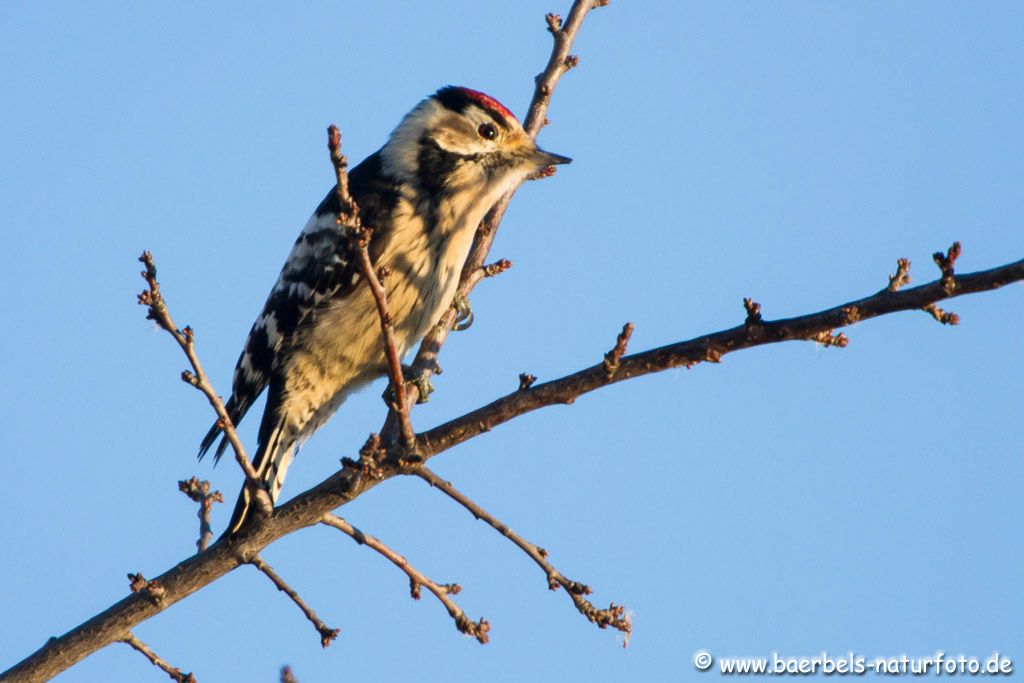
(613, 616)
(417, 579)
(902, 276)
(945, 262)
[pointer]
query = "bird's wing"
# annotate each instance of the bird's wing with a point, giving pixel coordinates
(322, 266)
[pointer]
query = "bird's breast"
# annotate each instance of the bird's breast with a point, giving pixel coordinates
(425, 255)
(424, 252)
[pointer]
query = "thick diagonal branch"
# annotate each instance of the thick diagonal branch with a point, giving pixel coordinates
(417, 579)
(711, 347)
(309, 507)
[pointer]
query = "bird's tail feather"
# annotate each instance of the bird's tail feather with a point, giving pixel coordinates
(208, 440)
(236, 411)
(271, 463)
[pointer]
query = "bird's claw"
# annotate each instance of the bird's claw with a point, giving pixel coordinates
(463, 313)
(420, 379)
(416, 377)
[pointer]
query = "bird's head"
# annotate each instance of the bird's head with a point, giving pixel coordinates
(460, 139)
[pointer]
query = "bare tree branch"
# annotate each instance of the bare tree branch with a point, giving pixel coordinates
(172, 671)
(817, 327)
(559, 62)
(199, 491)
(945, 262)
(902, 276)
(612, 358)
(157, 311)
(327, 634)
(349, 218)
(614, 616)
(151, 597)
(309, 507)
(417, 579)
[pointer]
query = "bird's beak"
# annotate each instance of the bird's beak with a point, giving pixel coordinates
(544, 159)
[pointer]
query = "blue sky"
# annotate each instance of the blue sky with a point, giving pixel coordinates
(792, 499)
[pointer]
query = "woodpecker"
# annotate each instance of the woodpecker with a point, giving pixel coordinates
(318, 338)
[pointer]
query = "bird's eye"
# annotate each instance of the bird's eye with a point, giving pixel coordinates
(487, 131)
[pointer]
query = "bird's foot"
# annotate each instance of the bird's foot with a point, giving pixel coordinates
(463, 313)
(420, 378)
(416, 377)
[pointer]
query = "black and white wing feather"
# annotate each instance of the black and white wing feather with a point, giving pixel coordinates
(321, 268)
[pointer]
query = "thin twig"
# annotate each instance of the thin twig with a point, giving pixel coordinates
(472, 273)
(496, 268)
(902, 276)
(327, 634)
(827, 338)
(614, 616)
(612, 358)
(560, 61)
(158, 312)
(417, 579)
(945, 262)
(199, 491)
(154, 659)
(944, 317)
(287, 676)
(349, 218)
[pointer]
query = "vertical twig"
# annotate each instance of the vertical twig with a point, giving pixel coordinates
(349, 218)
(559, 62)
(199, 491)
